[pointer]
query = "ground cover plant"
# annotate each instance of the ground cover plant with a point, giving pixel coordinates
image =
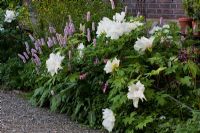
(122, 74)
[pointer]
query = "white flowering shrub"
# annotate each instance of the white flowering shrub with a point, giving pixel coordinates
(133, 73)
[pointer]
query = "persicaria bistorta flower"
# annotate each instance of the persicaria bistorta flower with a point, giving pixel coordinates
(10, 16)
(108, 119)
(111, 65)
(136, 92)
(54, 63)
(143, 43)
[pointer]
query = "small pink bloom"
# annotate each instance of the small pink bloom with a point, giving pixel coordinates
(83, 76)
(105, 60)
(105, 87)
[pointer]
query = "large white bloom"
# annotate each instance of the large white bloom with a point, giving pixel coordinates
(54, 63)
(108, 119)
(116, 27)
(10, 16)
(143, 43)
(80, 49)
(119, 17)
(136, 92)
(111, 65)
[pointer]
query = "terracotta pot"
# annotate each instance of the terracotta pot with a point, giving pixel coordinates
(185, 23)
(196, 27)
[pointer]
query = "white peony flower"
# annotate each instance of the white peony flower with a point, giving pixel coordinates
(119, 17)
(10, 16)
(136, 92)
(143, 43)
(108, 119)
(54, 63)
(80, 48)
(166, 26)
(116, 27)
(111, 65)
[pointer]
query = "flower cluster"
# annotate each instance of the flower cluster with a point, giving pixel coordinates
(116, 27)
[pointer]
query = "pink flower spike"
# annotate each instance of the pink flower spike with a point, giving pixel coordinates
(112, 4)
(26, 55)
(88, 35)
(88, 16)
(22, 58)
(105, 87)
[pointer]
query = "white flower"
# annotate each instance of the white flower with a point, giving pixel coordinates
(143, 43)
(1, 27)
(136, 92)
(119, 17)
(108, 119)
(10, 16)
(54, 63)
(111, 65)
(166, 26)
(80, 48)
(162, 117)
(116, 27)
(155, 29)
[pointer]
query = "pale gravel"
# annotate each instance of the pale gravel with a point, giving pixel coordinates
(18, 116)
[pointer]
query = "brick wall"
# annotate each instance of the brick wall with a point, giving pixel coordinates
(168, 9)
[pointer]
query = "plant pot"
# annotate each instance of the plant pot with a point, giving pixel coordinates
(185, 23)
(196, 27)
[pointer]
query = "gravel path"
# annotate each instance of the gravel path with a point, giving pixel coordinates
(18, 116)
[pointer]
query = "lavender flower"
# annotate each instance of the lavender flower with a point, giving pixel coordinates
(33, 51)
(36, 45)
(26, 55)
(49, 42)
(88, 35)
(161, 21)
(112, 4)
(31, 37)
(105, 87)
(36, 60)
(42, 41)
(93, 26)
(27, 48)
(22, 58)
(95, 42)
(54, 40)
(71, 29)
(52, 29)
(88, 16)
(40, 50)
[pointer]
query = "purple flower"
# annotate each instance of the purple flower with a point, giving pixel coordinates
(161, 21)
(27, 48)
(96, 61)
(105, 87)
(36, 60)
(83, 76)
(88, 16)
(40, 50)
(36, 44)
(49, 42)
(93, 26)
(31, 37)
(26, 55)
(22, 58)
(71, 29)
(112, 4)
(42, 41)
(54, 40)
(88, 35)
(33, 51)
(52, 29)
(95, 42)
